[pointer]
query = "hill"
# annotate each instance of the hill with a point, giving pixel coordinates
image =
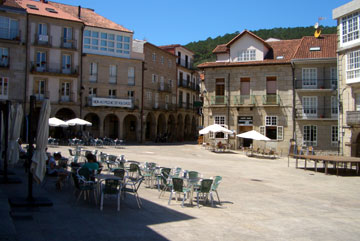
(203, 48)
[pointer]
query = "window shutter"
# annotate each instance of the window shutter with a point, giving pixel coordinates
(280, 133)
(262, 130)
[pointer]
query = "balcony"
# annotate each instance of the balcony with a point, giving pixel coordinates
(353, 118)
(42, 96)
(10, 35)
(244, 100)
(67, 98)
(271, 100)
(4, 62)
(68, 44)
(164, 87)
(43, 40)
(186, 64)
(316, 113)
(319, 84)
(162, 105)
(93, 78)
(218, 100)
(189, 85)
(54, 69)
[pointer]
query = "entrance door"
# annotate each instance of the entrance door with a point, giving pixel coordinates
(243, 141)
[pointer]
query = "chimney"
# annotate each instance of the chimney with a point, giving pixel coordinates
(79, 12)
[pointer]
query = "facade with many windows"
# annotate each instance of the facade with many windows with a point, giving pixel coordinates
(348, 50)
(12, 52)
(111, 79)
(276, 87)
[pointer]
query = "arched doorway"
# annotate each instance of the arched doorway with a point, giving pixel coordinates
(194, 132)
(130, 127)
(161, 126)
(68, 132)
(187, 128)
(171, 128)
(180, 128)
(111, 126)
(150, 134)
(94, 130)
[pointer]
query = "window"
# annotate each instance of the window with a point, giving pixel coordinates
(174, 100)
(271, 128)
(93, 72)
(92, 92)
(247, 55)
(181, 99)
(333, 77)
(9, 28)
(131, 76)
(310, 136)
(357, 102)
(149, 96)
(350, 27)
(112, 93)
(4, 82)
(309, 77)
(67, 38)
(162, 59)
(245, 86)
(353, 65)
(220, 120)
(310, 106)
(220, 91)
(171, 83)
(154, 78)
(40, 61)
(334, 106)
(4, 57)
(66, 63)
(154, 57)
(106, 42)
(169, 63)
(112, 74)
(43, 33)
(156, 104)
(131, 94)
(334, 135)
(39, 89)
(166, 102)
(65, 91)
(162, 83)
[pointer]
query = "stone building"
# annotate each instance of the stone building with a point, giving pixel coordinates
(111, 80)
(251, 86)
(188, 83)
(348, 59)
(12, 52)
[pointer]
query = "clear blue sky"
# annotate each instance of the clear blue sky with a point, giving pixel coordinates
(182, 21)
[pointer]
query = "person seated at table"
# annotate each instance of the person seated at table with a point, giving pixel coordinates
(55, 170)
(91, 164)
(219, 145)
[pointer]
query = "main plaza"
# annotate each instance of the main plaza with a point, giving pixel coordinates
(261, 199)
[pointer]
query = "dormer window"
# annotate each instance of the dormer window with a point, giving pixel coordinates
(247, 55)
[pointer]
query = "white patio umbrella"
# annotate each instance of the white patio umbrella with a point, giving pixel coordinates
(17, 117)
(215, 128)
(55, 122)
(38, 165)
(254, 135)
(78, 121)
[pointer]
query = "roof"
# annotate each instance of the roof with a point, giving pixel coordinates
(171, 48)
(284, 51)
(284, 48)
(12, 4)
(89, 17)
(44, 9)
(163, 50)
(223, 48)
(326, 42)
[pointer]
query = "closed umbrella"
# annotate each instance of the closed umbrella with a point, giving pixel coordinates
(55, 122)
(13, 151)
(38, 165)
(215, 128)
(78, 121)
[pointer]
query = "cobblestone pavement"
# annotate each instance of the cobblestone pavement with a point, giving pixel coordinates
(261, 199)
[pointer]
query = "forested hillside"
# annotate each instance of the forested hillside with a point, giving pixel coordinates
(203, 49)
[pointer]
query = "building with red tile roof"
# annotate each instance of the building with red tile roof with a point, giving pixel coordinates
(272, 87)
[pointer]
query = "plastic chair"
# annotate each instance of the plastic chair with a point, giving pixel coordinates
(178, 187)
(163, 179)
(111, 187)
(205, 190)
(82, 184)
(215, 185)
(193, 174)
(134, 182)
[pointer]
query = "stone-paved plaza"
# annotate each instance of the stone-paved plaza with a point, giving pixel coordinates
(261, 199)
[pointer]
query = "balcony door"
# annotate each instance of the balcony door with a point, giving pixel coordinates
(66, 64)
(40, 61)
(220, 91)
(244, 90)
(309, 78)
(65, 91)
(310, 104)
(271, 90)
(68, 37)
(39, 89)
(43, 33)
